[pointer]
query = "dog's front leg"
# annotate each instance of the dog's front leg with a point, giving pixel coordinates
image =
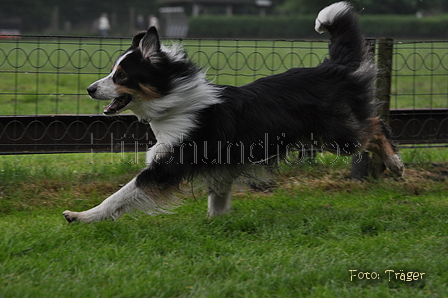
(111, 208)
(151, 192)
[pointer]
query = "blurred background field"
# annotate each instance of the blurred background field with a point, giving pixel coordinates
(261, 19)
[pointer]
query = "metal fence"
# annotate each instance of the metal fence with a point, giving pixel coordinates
(45, 108)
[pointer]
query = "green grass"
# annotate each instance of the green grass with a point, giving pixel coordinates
(48, 77)
(420, 75)
(300, 240)
(51, 76)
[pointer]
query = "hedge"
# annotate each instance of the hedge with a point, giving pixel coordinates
(298, 27)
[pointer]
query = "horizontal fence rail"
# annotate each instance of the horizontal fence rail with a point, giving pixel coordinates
(97, 133)
(64, 133)
(420, 126)
(45, 107)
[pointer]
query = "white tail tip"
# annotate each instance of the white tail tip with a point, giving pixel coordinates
(329, 13)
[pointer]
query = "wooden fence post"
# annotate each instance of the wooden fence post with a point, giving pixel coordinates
(364, 165)
(384, 81)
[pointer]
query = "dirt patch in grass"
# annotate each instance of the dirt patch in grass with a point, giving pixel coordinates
(78, 192)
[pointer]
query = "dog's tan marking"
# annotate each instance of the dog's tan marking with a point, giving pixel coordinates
(125, 90)
(118, 69)
(378, 142)
(146, 92)
(149, 92)
(380, 145)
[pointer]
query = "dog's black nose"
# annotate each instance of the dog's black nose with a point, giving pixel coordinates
(92, 89)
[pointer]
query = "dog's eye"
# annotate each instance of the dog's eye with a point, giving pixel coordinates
(121, 75)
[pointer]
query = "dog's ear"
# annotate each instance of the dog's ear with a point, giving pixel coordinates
(136, 39)
(149, 43)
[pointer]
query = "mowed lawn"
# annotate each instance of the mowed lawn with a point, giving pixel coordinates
(315, 234)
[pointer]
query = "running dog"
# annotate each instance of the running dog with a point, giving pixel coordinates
(219, 132)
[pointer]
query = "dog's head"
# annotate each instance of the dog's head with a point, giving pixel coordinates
(145, 72)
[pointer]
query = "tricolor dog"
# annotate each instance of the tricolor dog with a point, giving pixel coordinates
(219, 132)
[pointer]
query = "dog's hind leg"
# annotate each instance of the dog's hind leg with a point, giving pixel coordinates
(219, 197)
(381, 144)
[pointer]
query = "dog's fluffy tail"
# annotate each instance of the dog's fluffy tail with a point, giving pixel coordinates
(348, 46)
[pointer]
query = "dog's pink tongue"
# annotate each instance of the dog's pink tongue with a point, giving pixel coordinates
(112, 108)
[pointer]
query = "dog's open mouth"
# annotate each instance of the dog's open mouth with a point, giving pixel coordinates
(117, 105)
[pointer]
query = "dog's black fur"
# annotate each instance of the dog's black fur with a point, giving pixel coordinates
(218, 131)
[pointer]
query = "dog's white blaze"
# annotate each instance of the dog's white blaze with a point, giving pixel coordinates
(117, 63)
(328, 14)
(106, 89)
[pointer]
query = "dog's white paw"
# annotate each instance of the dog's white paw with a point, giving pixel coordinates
(395, 165)
(70, 216)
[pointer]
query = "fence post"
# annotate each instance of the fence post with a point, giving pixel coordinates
(364, 165)
(383, 87)
(384, 81)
